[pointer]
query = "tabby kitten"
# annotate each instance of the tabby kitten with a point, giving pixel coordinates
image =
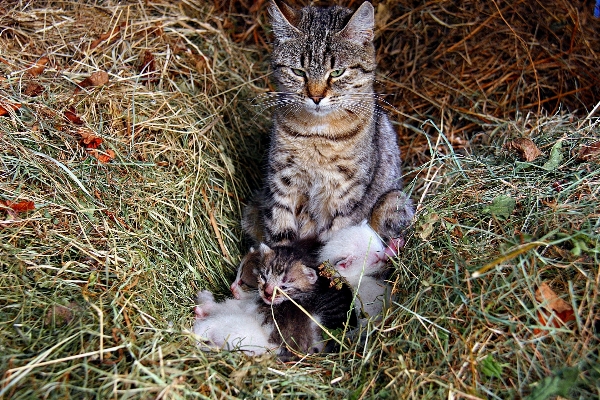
(292, 270)
(333, 159)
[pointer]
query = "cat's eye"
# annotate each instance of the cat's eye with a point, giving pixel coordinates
(337, 72)
(299, 72)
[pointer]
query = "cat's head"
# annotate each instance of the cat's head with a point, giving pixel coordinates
(282, 267)
(323, 58)
(245, 283)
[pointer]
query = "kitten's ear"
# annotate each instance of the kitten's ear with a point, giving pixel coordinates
(360, 27)
(264, 249)
(310, 274)
(283, 19)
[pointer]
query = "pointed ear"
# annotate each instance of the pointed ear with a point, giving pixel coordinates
(264, 249)
(283, 20)
(360, 27)
(310, 273)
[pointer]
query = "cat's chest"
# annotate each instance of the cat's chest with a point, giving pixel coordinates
(318, 164)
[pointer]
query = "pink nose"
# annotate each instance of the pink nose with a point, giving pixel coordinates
(268, 291)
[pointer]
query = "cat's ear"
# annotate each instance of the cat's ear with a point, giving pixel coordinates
(283, 19)
(310, 273)
(264, 249)
(361, 25)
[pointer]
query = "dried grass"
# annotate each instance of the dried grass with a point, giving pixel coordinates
(97, 282)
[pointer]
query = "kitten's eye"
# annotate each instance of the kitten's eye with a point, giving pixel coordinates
(337, 72)
(299, 72)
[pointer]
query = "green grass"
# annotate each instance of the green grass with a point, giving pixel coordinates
(97, 283)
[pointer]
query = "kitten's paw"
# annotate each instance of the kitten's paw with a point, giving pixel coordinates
(394, 246)
(200, 312)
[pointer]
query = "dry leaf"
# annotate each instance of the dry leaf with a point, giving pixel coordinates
(589, 152)
(552, 303)
(110, 36)
(21, 206)
(61, 315)
(72, 116)
(527, 150)
(147, 67)
(89, 140)
(33, 89)
(6, 107)
(98, 78)
(38, 67)
(103, 157)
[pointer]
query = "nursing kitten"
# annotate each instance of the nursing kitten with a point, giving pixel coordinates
(333, 159)
(292, 270)
(358, 255)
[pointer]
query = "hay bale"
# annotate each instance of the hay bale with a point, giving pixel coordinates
(128, 143)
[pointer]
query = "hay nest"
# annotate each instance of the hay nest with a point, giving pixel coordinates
(128, 143)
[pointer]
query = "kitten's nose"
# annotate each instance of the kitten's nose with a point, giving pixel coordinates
(316, 99)
(269, 291)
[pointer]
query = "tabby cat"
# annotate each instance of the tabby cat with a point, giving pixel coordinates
(333, 159)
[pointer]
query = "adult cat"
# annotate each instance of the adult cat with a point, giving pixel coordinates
(333, 159)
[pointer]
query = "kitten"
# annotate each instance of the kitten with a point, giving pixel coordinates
(359, 255)
(232, 324)
(333, 159)
(292, 270)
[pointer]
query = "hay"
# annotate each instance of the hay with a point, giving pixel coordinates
(97, 281)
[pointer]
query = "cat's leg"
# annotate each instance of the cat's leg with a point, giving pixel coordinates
(390, 216)
(252, 218)
(280, 221)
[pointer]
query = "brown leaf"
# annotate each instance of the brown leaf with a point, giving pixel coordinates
(21, 206)
(589, 152)
(147, 67)
(110, 36)
(33, 89)
(104, 157)
(527, 150)
(6, 107)
(98, 78)
(61, 315)
(89, 140)
(38, 67)
(552, 303)
(72, 116)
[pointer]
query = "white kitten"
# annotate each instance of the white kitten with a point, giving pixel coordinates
(232, 324)
(360, 256)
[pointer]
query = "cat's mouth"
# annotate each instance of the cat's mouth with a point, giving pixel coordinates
(273, 300)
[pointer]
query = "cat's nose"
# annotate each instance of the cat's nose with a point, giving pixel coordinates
(316, 99)
(268, 291)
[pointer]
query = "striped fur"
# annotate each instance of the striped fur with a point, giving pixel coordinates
(293, 269)
(333, 159)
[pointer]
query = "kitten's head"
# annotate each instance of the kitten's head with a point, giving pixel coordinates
(354, 251)
(283, 267)
(323, 58)
(245, 283)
